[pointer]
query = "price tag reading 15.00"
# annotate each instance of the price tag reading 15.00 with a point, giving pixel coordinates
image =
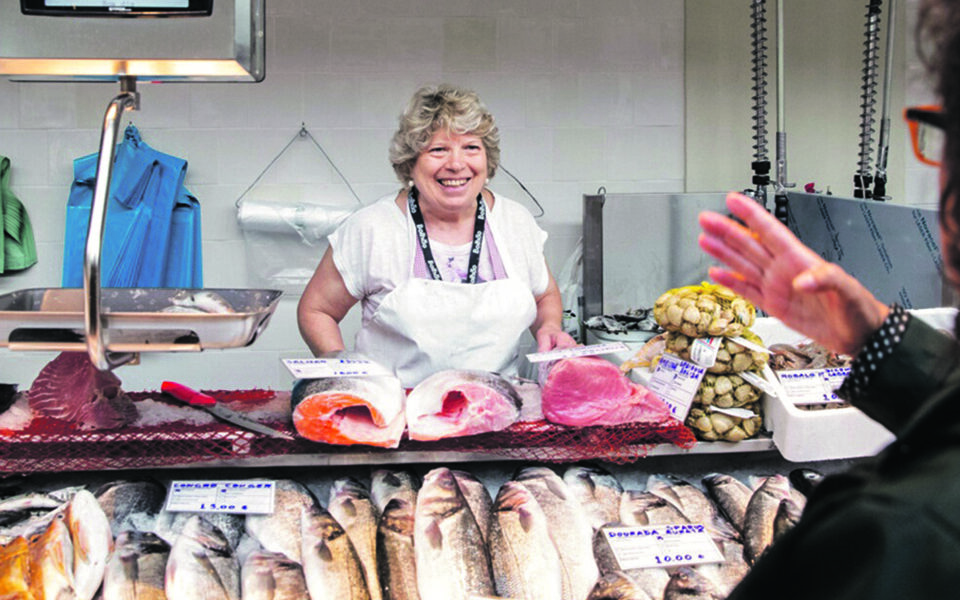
(662, 545)
(236, 497)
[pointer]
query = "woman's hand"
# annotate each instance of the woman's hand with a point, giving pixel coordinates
(551, 337)
(769, 266)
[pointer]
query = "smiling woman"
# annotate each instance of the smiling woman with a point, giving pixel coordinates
(449, 274)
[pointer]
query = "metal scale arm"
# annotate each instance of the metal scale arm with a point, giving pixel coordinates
(128, 99)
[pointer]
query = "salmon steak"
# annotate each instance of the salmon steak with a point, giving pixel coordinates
(349, 410)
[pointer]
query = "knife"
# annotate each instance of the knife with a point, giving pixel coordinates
(209, 404)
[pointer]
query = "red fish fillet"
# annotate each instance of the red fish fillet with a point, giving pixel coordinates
(587, 390)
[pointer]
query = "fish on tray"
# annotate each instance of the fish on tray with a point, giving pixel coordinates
(349, 410)
(455, 402)
(586, 390)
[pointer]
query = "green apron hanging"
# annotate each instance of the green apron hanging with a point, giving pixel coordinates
(18, 250)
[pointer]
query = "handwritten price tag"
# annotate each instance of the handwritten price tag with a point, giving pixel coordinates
(315, 368)
(661, 545)
(236, 497)
(675, 382)
(813, 386)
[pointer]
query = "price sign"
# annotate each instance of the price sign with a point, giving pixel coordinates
(236, 497)
(590, 350)
(315, 368)
(813, 386)
(661, 545)
(675, 382)
(703, 351)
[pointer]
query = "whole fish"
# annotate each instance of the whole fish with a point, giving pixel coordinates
(15, 570)
(452, 560)
(396, 558)
(202, 564)
(280, 530)
(726, 575)
(598, 491)
(525, 562)
(51, 561)
(457, 402)
(693, 503)
(349, 410)
(203, 301)
(647, 508)
(788, 514)
(131, 505)
(617, 585)
(760, 516)
(385, 485)
(137, 567)
(570, 530)
(92, 543)
(330, 564)
(24, 506)
(731, 496)
(478, 499)
(687, 583)
(271, 576)
(351, 506)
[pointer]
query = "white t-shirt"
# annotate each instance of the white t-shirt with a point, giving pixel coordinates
(374, 248)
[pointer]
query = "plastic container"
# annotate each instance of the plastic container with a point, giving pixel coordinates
(805, 435)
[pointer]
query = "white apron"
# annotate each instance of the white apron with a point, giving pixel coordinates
(425, 325)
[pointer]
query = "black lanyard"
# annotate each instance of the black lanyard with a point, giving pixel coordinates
(473, 264)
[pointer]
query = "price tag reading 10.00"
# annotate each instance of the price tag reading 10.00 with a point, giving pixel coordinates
(662, 545)
(236, 497)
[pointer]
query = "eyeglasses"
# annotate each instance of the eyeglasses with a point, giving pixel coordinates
(926, 124)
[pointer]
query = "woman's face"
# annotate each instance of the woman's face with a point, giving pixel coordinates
(451, 171)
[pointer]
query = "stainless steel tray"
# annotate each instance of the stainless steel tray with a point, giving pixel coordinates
(134, 319)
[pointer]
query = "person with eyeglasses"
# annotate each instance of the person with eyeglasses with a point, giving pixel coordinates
(890, 526)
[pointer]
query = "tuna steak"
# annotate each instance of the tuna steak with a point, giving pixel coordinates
(71, 389)
(456, 403)
(587, 390)
(349, 410)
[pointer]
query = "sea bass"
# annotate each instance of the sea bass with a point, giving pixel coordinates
(137, 567)
(330, 563)
(202, 564)
(588, 390)
(351, 506)
(280, 531)
(525, 561)
(170, 524)
(452, 560)
(693, 504)
(598, 491)
(349, 410)
(454, 403)
(92, 543)
(271, 576)
(761, 514)
(396, 558)
(570, 530)
(477, 497)
(651, 581)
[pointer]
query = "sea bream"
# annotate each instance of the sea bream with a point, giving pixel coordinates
(271, 576)
(458, 402)
(598, 491)
(280, 531)
(92, 543)
(137, 567)
(202, 564)
(349, 410)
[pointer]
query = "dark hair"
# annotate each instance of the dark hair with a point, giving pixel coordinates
(938, 45)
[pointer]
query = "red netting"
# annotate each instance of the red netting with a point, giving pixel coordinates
(52, 445)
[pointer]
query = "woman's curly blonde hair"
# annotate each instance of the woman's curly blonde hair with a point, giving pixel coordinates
(443, 107)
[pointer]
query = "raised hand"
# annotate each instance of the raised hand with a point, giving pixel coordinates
(768, 265)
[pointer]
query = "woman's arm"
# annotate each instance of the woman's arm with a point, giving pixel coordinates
(769, 266)
(547, 328)
(324, 303)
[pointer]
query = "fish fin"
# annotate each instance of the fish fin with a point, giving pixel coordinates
(349, 507)
(323, 551)
(434, 534)
(526, 518)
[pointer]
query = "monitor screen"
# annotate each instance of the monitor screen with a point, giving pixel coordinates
(117, 8)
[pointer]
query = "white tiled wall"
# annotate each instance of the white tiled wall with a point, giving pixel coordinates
(587, 94)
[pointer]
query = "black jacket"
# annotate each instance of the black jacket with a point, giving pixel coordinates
(890, 527)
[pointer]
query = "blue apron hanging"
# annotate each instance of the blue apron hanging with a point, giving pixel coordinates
(144, 192)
